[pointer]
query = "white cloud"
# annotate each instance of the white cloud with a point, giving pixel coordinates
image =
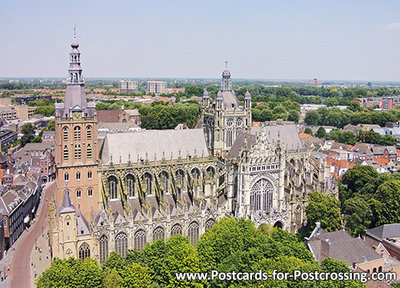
(392, 26)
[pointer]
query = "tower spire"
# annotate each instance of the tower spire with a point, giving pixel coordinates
(75, 31)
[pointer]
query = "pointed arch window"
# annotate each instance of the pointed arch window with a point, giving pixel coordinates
(66, 152)
(103, 248)
(193, 233)
(78, 193)
(209, 224)
(176, 229)
(158, 233)
(140, 239)
(89, 174)
(164, 181)
(147, 183)
(130, 185)
(78, 175)
(195, 179)
(121, 244)
(261, 195)
(78, 151)
(84, 251)
(180, 177)
(65, 133)
(66, 177)
(210, 172)
(89, 132)
(90, 192)
(89, 151)
(112, 187)
(77, 133)
(229, 138)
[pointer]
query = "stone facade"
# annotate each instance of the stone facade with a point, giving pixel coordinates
(150, 185)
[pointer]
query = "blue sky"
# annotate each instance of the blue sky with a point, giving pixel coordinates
(287, 39)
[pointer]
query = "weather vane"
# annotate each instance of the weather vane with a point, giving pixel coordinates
(226, 64)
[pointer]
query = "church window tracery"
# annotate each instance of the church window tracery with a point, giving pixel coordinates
(140, 239)
(112, 187)
(261, 195)
(84, 251)
(121, 244)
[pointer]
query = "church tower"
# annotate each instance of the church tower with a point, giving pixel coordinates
(225, 119)
(76, 152)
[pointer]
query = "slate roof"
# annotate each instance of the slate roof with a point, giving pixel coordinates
(289, 135)
(133, 112)
(392, 150)
(239, 142)
(230, 100)
(364, 148)
(66, 206)
(378, 150)
(154, 143)
(108, 116)
(37, 146)
(385, 231)
(82, 225)
(341, 246)
(117, 126)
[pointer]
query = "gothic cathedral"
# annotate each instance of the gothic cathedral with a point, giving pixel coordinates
(132, 188)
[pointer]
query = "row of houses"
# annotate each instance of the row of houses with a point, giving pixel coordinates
(341, 157)
(377, 251)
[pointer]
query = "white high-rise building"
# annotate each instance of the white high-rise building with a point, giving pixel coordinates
(156, 87)
(128, 86)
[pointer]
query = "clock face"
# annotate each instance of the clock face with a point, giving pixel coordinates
(77, 115)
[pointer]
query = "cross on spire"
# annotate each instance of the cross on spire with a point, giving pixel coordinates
(226, 64)
(74, 30)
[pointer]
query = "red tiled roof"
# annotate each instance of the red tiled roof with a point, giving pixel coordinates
(347, 164)
(304, 135)
(382, 160)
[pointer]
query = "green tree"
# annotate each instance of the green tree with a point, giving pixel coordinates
(324, 209)
(71, 273)
(308, 131)
(266, 115)
(331, 102)
(28, 131)
(114, 261)
(293, 116)
(135, 276)
(321, 133)
(333, 118)
(386, 203)
(279, 110)
(51, 125)
(111, 279)
(357, 215)
(355, 106)
(312, 118)
(355, 179)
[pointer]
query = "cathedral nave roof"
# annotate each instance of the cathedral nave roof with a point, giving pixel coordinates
(152, 144)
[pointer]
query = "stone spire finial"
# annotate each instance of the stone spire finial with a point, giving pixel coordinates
(247, 95)
(75, 44)
(66, 205)
(206, 94)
